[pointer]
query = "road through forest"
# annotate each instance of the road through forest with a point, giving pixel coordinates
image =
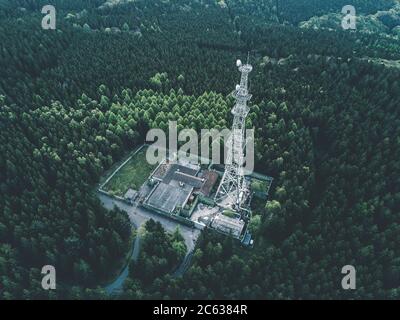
(138, 216)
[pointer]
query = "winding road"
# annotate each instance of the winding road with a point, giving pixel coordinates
(116, 285)
(138, 216)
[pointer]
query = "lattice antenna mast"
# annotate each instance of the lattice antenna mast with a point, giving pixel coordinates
(232, 191)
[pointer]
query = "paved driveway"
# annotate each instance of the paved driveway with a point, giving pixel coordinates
(139, 215)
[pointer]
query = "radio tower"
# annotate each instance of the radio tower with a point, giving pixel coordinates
(232, 191)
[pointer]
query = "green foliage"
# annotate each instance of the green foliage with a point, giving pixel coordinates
(255, 224)
(326, 118)
(160, 253)
(229, 213)
(50, 213)
(131, 176)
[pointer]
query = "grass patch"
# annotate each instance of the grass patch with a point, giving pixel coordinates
(132, 175)
(229, 213)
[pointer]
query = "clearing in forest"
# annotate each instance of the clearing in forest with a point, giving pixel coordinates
(132, 175)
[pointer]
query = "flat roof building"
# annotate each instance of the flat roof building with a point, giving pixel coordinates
(130, 196)
(175, 185)
(227, 225)
(167, 197)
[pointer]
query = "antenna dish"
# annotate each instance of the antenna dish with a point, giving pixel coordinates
(238, 63)
(237, 87)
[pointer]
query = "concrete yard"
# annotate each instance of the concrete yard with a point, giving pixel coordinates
(167, 197)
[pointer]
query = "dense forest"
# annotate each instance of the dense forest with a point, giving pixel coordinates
(160, 254)
(75, 100)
